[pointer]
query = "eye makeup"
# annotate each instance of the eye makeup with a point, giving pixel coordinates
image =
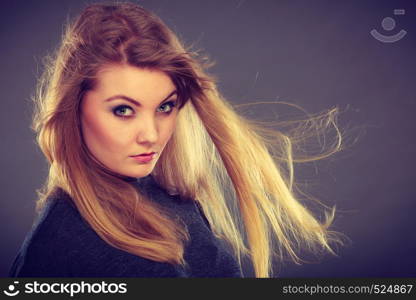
(125, 108)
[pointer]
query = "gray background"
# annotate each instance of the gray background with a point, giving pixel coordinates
(316, 54)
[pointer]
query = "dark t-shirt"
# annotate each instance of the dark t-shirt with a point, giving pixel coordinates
(62, 244)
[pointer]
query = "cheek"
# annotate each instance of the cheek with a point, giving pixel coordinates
(102, 135)
(167, 129)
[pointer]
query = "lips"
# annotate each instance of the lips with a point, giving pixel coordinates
(144, 154)
(144, 157)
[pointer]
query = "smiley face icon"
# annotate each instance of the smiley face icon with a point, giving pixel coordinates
(11, 289)
(389, 24)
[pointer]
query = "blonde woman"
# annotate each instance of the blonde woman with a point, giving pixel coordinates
(152, 172)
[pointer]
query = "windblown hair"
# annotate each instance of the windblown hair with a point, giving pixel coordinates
(213, 151)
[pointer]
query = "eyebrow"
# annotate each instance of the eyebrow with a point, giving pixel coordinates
(135, 101)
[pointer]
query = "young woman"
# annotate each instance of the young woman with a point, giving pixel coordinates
(152, 171)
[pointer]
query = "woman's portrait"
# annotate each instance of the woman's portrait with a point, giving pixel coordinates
(197, 139)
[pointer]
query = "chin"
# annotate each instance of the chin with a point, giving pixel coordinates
(139, 174)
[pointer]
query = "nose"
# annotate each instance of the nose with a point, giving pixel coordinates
(147, 130)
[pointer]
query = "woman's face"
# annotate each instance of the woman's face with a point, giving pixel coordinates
(130, 111)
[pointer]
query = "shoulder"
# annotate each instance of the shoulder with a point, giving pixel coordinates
(59, 226)
(41, 252)
(61, 243)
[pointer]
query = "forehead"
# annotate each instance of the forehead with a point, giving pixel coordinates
(140, 83)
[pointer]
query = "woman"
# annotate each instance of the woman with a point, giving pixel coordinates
(142, 149)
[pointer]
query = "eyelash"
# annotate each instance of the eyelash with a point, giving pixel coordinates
(172, 104)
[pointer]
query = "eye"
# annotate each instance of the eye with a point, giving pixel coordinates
(167, 107)
(123, 111)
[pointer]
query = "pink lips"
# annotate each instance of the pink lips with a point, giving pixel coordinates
(144, 158)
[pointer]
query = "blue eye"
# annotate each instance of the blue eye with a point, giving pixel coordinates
(170, 105)
(122, 109)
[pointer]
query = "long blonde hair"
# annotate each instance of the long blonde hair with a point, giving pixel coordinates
(239, 171)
